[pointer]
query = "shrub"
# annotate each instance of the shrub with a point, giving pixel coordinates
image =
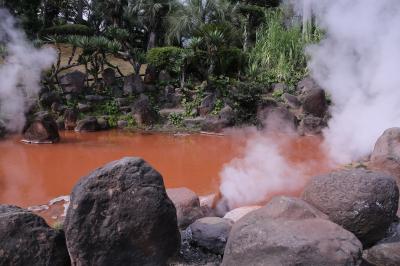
(176, 119)
(230, 61)
(167, 58)
(68, 29)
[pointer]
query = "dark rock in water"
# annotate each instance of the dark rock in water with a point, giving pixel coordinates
(89, 124)
(386, 154)
(133, 84)
(122, 124)
(311, 125)
(276, 118)
(26, 239)
(207, 104)
(276, 236)
(187, 205)
(120, 214)
(109, 77)
(211, 233)
(363, 202)
(60, 123)
(41, 129)
(70, 118)
(73, 82)
(314, 102)
(143, 112)
(386, 254)
(103, 123)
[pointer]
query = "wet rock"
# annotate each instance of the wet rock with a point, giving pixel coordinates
(73, 82)
(207, 104)
(41, 129)
(109, 77)
(194, 123)
(133, 84)
(227, 114)
(164, 76)
(311, 125)
(120, 214)
(363, 202)
(291, 100)
(238, 213)
(3, 129)
(143, 112)
(26, 239)
(89, 124)
(187, 205)
(211, 233)
(314, 102)
(60, 123)
(387, 254)
(103, 123)
(213, 124)
(70, 118)
(258, 239)
(386, 154)
(276, 118)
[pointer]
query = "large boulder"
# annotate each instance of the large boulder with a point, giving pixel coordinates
(70, 118)
(89, 124)
(238, 213)
(290, 232)
(143, 112)
(187, 205)
(120, 214)
(41, 129)
(211, 233)
(26, 239)
(386, 254)
(109, 77)
(311, 125)
(73, 82)
(207, 104)
(133, 84)
(314, 102)
(363, 202)
(386, 154)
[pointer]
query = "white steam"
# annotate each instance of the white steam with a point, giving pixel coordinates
(20, 72)
(358, 63)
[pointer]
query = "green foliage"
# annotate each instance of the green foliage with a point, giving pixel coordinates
(192, 100)
(176, 119)
(68, 29)
(278, 55)
(277, 94)
(230, 61)
(167, 58)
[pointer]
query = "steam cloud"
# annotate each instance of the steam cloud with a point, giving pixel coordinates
(358, 63)
(20, 73)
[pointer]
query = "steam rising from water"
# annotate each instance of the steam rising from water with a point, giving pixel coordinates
(20, 73)
(358, 63)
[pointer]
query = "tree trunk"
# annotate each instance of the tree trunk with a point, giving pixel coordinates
(152, 40)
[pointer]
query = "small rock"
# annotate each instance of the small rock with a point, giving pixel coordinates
(122, 124)
(207, 104)
(60, 123)
(109, 77)
(94, 98)
(291, 100)
(82, 107)
(314, 102)
(143, 112)
(3, 129)
(227, 114)
(311, 125)
(133, 84)
(387, 254)
(211, 233)
(187, 205)
(103, 123)
(70, 118)
(89, 124)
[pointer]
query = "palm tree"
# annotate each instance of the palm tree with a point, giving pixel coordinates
(150, 15)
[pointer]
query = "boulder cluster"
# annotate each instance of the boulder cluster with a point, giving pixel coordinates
(121, 214)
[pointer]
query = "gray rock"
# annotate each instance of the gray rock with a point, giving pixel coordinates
(213, 124)
(194, 123)
(60, 123)
(103, 123)
(120, 214)
(211, 233)
(122, 124)
(207, 104)
(42, 128)
(363, 202)
(89, 124)
(94, 98)
(291, 100)
(276, 118)
(26, 239)
(70, 118)
(314, 102)
(387, 254)
(227, 114)
(187, 205)
(311, 125)
(300, 239)
(143, 112)
(73, 82)
(84, 107)
(164, 76)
